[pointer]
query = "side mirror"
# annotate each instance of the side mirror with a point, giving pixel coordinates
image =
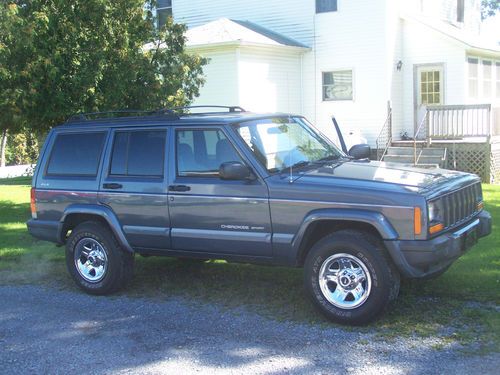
(360, 151)
(234, 170)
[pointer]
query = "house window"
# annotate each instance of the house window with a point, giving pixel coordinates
(430, 87)
(473, 64)
(497, 68)
(487, 66)
(323, 6)
(460, 11)
(337, 85)
(163, 11)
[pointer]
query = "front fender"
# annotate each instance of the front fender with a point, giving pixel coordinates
(96, 210)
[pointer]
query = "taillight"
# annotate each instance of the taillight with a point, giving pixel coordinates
(33, 203)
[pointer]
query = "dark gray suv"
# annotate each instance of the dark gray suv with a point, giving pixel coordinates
(267, 189)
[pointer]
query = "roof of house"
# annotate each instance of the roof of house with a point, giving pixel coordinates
(461, 35)
(225, 31)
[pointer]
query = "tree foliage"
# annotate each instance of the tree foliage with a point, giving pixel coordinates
(58, 58)
(489, 8)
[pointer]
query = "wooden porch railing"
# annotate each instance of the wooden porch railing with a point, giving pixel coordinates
(459, 121)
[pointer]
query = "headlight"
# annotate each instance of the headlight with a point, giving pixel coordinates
(435, 211)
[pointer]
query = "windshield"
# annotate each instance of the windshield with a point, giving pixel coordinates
(283, 142)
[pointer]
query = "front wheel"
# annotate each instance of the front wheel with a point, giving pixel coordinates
(350, 278)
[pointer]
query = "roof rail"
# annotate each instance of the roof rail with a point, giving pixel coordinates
(106, 114)
(234, 108)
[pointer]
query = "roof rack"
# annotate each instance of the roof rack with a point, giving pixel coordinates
(105, 114)
(172, 111)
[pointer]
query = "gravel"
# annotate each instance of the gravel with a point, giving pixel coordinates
(45, 330)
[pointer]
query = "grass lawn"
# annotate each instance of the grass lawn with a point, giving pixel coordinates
(460, 306)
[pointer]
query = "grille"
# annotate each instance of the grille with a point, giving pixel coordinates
(461, 204)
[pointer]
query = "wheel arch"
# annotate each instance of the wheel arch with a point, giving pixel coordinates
(78, 213)
(323, 222)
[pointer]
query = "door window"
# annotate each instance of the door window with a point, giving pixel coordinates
(138, 153)
(430, 87)
(201, 152)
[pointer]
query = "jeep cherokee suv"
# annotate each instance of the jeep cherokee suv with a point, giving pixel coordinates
(267, 189)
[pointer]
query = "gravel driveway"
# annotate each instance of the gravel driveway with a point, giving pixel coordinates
(44, 330)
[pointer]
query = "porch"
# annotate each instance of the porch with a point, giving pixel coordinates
(457, 137)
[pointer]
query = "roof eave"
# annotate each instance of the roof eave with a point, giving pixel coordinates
(242, 43)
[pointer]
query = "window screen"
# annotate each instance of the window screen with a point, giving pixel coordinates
(201, 152)
(323, 6)
(138, 153)
(76, 154)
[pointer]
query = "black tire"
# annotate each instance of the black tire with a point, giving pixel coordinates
(117, 270)
(357, 247)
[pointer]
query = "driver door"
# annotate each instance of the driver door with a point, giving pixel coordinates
(209, 214)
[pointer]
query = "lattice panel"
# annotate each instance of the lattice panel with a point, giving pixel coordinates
(495, 164)
(472, 158)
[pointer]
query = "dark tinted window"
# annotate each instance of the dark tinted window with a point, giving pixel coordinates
(201, 152)
(138, 153)
(76, 154)
(326, 6)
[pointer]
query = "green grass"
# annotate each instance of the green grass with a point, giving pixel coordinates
(460, 306)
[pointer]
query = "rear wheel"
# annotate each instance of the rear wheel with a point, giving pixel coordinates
(95, 260)
(350, 278)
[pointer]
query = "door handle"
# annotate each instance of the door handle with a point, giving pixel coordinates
(112, 186)
(179, 188)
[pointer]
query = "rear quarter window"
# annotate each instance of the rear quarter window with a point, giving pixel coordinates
(76, 154)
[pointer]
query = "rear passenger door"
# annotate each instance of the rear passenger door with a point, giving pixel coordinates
(212, 215)
(133, 185)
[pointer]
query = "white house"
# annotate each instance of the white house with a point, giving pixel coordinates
(348, 58)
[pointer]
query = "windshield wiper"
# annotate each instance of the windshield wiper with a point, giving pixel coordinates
(299, 164)
(328, 158)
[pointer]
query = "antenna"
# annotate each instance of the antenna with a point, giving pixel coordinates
(289, 122)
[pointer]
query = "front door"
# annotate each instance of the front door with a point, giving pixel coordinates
(429, 91)
(212, 215)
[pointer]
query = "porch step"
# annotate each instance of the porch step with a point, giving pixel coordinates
(427, 157)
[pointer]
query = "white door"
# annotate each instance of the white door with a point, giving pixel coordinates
(429, 91)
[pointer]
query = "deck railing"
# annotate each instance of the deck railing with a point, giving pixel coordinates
(459, 121)
(384, 138)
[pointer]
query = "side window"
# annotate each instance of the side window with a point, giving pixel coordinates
(201, 152)
(323, 6)
(76, 154)
(138, 153)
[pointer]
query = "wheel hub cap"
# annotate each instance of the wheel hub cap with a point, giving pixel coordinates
(91, 260)
(344, 281)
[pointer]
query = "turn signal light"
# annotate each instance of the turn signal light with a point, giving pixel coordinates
(417, 220)
(33, 203)
(480, 206)
(436, 228)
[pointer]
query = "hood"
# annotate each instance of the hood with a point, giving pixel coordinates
(393, 173)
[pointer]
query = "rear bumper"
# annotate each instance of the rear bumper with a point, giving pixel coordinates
(44, 230)
(417, 259)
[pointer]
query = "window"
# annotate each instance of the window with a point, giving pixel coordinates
(323, 6)
(337, 85)
(76, 154)
(497, 69)
(201, 152)
(163, 11)
(460, 11)
(138, 153)
(487, 78)
(473, 77)
(430, 87)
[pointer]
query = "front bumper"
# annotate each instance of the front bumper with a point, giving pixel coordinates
(417, 259)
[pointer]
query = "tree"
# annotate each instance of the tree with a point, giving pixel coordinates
(89, 55)
(489, 8)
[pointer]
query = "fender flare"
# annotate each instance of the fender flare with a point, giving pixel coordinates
(375, 219)
(97, 210)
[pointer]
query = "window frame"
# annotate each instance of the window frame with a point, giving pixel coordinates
(134, 176)
(317, 11)
(209, 128)
(353, 94)
(64, 175)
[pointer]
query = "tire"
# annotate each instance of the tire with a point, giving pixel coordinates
(350, 278)
(95, 260)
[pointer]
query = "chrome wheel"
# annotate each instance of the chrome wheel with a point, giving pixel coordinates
(91, 260)
(345, 281)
